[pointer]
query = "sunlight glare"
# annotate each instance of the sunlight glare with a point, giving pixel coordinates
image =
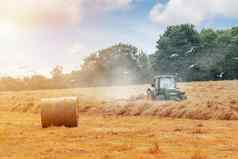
(8, 30)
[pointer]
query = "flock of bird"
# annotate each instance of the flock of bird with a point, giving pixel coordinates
(190, 52)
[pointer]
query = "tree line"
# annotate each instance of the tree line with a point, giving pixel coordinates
(181, 50)
(195, 56)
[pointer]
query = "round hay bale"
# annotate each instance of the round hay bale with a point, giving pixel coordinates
(59, 112)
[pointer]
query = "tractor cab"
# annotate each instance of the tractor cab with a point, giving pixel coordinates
(164, 88)
(164, 82)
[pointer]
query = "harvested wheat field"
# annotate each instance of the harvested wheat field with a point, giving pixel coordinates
(117, 123)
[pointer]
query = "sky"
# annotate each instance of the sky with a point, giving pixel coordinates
(37, 35)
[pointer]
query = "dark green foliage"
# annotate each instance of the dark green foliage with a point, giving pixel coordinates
(208, 55)
(209, 38)
(175, 50)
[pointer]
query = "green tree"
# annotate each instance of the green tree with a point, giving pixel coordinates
(37, 82)
(175, 49)
(58, 80)
(209, 37)
(119, 64)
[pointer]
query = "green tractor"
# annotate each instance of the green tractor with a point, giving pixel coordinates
(164, 88)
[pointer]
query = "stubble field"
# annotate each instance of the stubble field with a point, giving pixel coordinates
(117, 123)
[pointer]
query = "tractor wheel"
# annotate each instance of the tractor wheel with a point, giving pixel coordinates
(183, 97)
(180, 97)
(149, 94)
(174, 98)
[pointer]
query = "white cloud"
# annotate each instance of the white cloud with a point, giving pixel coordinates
(47, 13)
(77, 49)
(192, 11)
(106, 4)
(39, 33)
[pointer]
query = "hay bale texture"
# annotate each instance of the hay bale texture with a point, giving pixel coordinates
(59, 112)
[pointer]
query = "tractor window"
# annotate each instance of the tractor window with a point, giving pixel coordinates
(167, 83)
(157, 83)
